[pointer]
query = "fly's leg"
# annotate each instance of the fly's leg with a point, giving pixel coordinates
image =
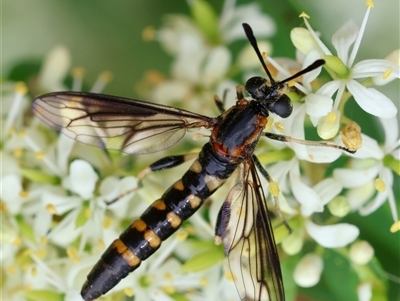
(167, 163)
(161, 164)
(273, 189)
(284, 138)
(221, 103)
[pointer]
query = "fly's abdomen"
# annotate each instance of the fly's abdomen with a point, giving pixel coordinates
(144, 236)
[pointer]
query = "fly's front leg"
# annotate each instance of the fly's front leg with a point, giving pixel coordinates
(284, 138)
(221, 103)
(239, 92)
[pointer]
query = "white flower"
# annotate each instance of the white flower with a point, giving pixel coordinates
(231, 19)
(364, 291)
(54, 69)
(370, 170)
(308, 270)
(369, 99)
(361, 252)
(332, 236)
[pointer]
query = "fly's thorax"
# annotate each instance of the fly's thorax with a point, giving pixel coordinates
(239, 131)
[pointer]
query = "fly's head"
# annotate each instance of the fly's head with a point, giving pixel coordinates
(271, 96)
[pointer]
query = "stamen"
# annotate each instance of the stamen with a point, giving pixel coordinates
(148, 34)
(203, 282)
(39, 155)
(395, 227)
(380, 185)
(20, 90)
(103, 79)
(182, 235)
(229, 276)
(274, 188)
(168, 289)
(331, 117)
(304, 15)
(77, 75)
(23, 194)
(370, 4)
(351, 136)
(51, 209)
(279, 126)
(321, 45)
(387, 73)
(360, 35)
(128, 291)
(73, 254)
(18, 152)
(101, 244)
(88, 213)
(107, 222)
(34, 271)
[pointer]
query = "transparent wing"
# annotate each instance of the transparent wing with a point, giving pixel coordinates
(249, 242)
(132, 126)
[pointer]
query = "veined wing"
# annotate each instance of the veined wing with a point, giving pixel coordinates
(132, 126)
(249, 240)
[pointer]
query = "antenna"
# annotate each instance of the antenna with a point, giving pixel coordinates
(253, 42)
(315, 65)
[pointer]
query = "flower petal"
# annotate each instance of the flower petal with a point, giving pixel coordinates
(82, 178)
(364, 291)
(387, 177)
(327, 189)
(308, 271)
(361, 252)
(232, 19)
(358, 196)
(318, 105)
(216, 64)
(375, 67)
(369, 149)
(310, 201)
(303, 40)
(350, 178)
(391, 129)
(372, 101)
(55, 69)
(333, 236)
(343, 39)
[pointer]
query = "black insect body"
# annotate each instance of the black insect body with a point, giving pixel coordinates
(138, 127)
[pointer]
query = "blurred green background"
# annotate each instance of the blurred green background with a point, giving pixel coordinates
(107, 35)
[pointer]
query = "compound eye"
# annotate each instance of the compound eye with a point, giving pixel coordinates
(282, 107)
(253, 86)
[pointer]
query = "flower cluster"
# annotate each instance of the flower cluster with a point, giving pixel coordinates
(63, 202)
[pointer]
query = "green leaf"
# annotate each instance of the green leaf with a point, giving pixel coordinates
(39, 176)
(204, 260)
(339, 277)
(25, 228)
(392, 163)
(178, 297)
(44, 295)
(82, 217)
(287, 266)
(206, 19)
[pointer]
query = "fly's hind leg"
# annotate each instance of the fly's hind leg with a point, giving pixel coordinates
(167, 163)
(161, 164)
